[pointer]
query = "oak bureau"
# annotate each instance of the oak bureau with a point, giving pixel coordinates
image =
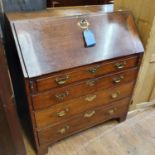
(70, 88)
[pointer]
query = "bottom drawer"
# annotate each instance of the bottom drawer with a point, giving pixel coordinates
(83, 121)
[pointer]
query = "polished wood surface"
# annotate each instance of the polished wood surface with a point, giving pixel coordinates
(87, 72)
(66, 110)
(47, 55)
(90, 86)
(63, 78)
(100, 114)
(60, 12)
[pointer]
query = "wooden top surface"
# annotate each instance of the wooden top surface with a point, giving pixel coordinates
(49, 44)
(61, 12)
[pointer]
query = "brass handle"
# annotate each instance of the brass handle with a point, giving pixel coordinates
(118, 79)
(62, 95)
(111, 111)
(93, 70)
(62, 113)
(120, 65)
(89, 114)
(90, 98)
(91, 82)
(64, 129)
(62, 80)
(115, 95)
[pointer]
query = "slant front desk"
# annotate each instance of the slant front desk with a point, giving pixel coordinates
(69, 87)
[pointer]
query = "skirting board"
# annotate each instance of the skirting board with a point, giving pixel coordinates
(145, 104)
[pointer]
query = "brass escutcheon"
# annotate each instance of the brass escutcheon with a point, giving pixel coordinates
(93, 70)
(61, 96)
(83, 24)
(91, 82)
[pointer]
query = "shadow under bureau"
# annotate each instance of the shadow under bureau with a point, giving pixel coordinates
(70, 88)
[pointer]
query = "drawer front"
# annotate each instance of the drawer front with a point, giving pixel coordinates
(66, 110)
(86, 72)
(63, 94)
(83, 121)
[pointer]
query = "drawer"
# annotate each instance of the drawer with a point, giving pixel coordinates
(83, 121)
(86, 72)
(66, 110)
(59, 95)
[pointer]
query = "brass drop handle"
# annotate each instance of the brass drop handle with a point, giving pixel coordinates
(61, 96)
(64, 129)
(63, 112)
(91, 82)
(115, 95)
(111, 111)
(120, 65)
(62, 80)
(89, 114)
(90, 98)
(93, 70)
(118, 79)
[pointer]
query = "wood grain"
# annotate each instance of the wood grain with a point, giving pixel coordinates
(101, 114)
(56, 52)
(74, 75)
(73, 91)
(49, 116)
(61, 12)
(46, 55)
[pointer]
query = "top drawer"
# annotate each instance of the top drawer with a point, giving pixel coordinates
(91, 71)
